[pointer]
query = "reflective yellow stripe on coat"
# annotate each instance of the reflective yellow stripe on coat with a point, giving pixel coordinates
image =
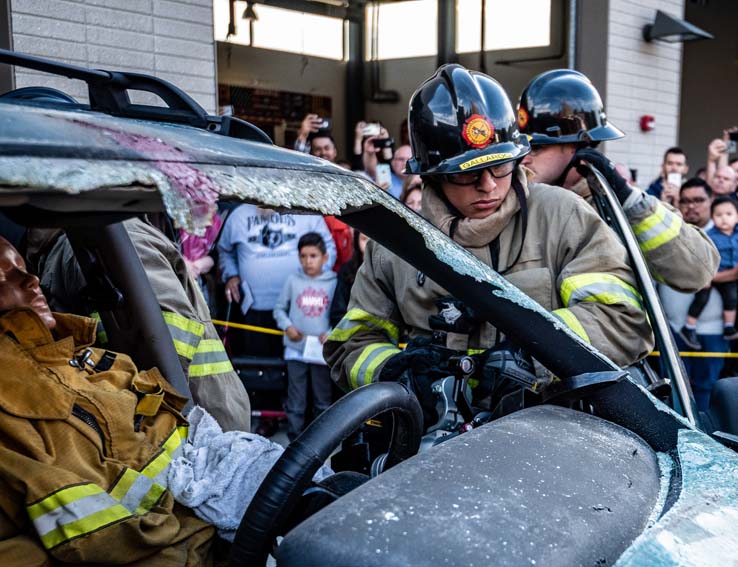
(210, 358)
(598, 288)
(359, 320)
(657, 229)
(80, 509)
(362, 372)
(571, 321)
(186, 333)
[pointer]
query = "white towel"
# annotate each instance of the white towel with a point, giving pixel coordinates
(219, 473)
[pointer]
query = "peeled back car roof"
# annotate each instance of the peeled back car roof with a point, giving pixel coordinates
(48, 152)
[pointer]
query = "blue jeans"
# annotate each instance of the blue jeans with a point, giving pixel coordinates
(704, 372)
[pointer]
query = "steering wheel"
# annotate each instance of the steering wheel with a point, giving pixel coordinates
(290, 476)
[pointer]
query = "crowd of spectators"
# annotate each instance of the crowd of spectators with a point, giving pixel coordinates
(259, 260)
(705, 321)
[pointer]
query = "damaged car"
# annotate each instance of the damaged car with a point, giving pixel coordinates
(607, 466)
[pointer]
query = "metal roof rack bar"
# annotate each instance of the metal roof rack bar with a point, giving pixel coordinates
(108, 91)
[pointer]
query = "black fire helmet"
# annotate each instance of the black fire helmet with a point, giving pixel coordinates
(563, 107)
(461, 120)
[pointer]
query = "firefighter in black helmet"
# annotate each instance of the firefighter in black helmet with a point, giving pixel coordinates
(562, 106)
(562, 114)
(467, 148)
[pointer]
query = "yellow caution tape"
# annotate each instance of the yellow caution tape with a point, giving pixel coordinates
(700, 354)
(264, 330)
(687, 354)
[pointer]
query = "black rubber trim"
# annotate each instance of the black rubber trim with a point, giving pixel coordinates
(675, 482)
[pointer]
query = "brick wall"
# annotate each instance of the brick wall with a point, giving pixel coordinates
(170, 39)
(642, 78)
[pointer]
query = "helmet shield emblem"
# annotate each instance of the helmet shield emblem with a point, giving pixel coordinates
(477, 131)
(522, 118)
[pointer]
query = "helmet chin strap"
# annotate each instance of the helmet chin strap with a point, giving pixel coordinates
(562, 178)
(572, 164)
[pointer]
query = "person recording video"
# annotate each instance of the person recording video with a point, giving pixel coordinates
(376, 157)
(718, 171)
(315, 138)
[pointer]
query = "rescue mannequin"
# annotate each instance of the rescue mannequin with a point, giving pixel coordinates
(97, 463)
(563, 113)
(84, 438)
(467, 148)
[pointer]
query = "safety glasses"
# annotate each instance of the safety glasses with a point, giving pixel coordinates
(473, 177)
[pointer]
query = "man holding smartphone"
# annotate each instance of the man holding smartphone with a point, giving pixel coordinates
(314, 137)
(674, 169)
(717, 173)
(377, 156)
(562, 113)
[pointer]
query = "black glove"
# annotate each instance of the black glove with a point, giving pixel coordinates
(618, 183)
(418, 366)
(453, 317)
(505, 365)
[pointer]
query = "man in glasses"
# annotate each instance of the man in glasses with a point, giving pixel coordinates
(563, 114)
(695, 198)
(546, 241)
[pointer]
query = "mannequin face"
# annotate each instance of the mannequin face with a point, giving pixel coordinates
(18, 288)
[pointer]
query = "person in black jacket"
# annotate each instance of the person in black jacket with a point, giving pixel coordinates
(346, 277)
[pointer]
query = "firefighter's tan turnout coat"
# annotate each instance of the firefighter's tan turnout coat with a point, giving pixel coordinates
(85, 445)
(678, 254)
(213, 382)
(571, 263)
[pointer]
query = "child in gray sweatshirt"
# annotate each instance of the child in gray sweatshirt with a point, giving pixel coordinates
(302, 311)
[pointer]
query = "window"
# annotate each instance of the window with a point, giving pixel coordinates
(508, 25)
(287, 30)
(283, 30)
(404, 29)
(221, 18)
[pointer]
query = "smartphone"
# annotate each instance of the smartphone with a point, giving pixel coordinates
(381, 143)
(732, 143)
(384, 175)
(371, 129)
(674, 179)
(325, 123)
